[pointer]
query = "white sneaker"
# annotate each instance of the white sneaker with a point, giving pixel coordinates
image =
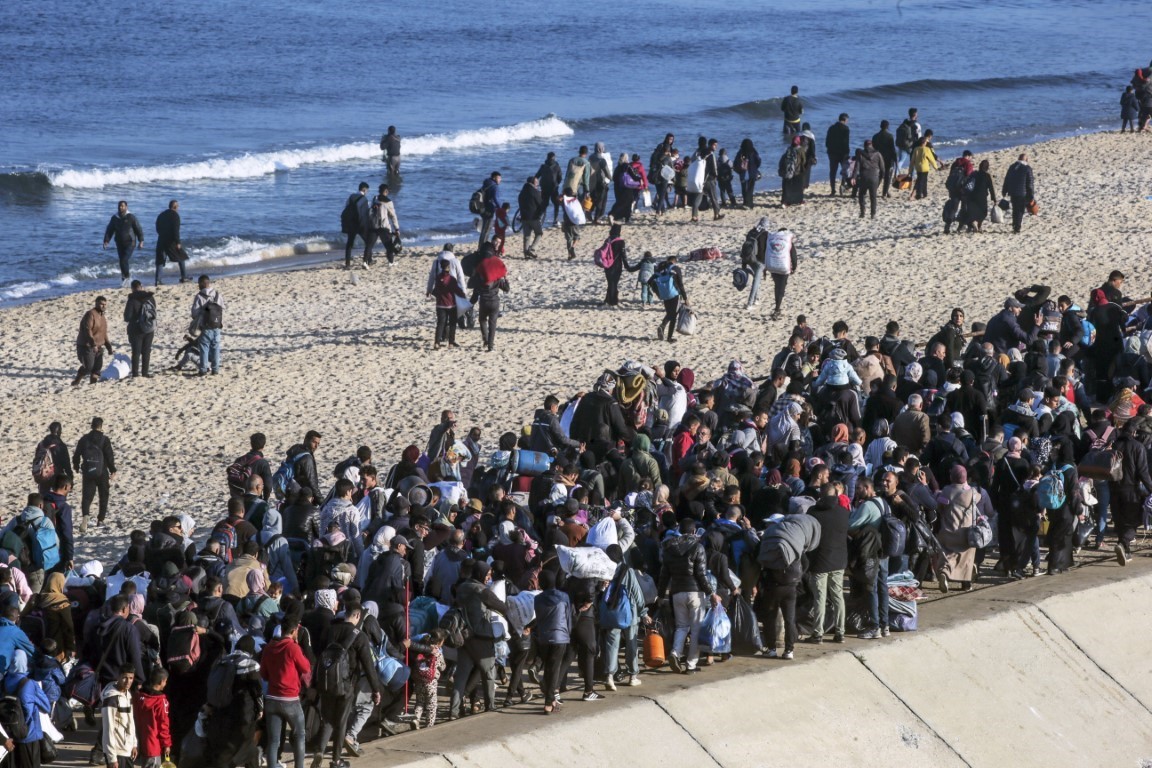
(609, 683)
(788, 656)
(1121, 556)
(127, 283)
(634, 681)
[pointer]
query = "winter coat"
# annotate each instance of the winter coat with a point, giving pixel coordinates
(832, 553)
(785, 541)
(598, 418)
(685, 566)
(553, 617)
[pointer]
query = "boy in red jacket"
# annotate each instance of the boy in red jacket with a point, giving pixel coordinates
(286, 668)
(151, 707)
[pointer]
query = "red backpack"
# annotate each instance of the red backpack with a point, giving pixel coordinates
(183, 650)
(605, 257)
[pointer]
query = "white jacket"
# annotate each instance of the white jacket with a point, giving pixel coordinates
(119, 731)
(456, 270)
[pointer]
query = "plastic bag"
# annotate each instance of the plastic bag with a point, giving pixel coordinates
(586, 563)
(745, 630)
(716, 630)
(686, 322)
(997, 215)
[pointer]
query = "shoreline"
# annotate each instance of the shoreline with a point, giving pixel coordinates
(349, 353)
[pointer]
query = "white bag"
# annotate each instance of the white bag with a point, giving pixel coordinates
(696, 176)
(668, 173)
(603, 534)
(522, 609)
(119, 368)
(646, 198)
(586, 563)
(574, 210)
(463, 305)
(686, 322)
(997, 215)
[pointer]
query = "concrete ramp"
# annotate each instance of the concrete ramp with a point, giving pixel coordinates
(1048, 672)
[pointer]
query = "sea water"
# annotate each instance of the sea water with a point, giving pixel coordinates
(262, 117)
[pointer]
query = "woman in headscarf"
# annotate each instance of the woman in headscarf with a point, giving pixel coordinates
(881, 446)
(50, 612)
(784, 431)
(909, 383)
(1018, 520)
(619, 263)
(958, 504)
(626, 184)
(1062, 520)
(258, 601)
(278, 556)
(791, 171)
(747, 167)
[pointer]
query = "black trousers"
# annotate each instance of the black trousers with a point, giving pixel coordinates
(489, 312)
(92, 486)
(91, 362)
(141, 351)
(348, 247)
(835, 164)
(748, 188)
(671, 309)
(552, 657)
(334, 713)
(1019, 208)
(889, 171)
(869, 186)
(784, 599)
(520, 647)
(921, 185)
(779, 285)
(612, 275)
(384, 236)
(445, 325)
(125, 253)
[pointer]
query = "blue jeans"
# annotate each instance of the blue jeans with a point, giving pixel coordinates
(209, 349)
(1104, 496)
(610, 650)
(754, 290)
(276, 713)
(878, 599)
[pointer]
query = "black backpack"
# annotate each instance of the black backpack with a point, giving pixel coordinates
(12, 714)
(750, 246)
(334, 669)
(476, 202)
(456, 627)
(146, 318)
(222, 683)
(904, 136)
(350, 216)
(92, 460)
(213, 315)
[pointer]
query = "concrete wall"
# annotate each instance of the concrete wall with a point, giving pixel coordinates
(1049, 672)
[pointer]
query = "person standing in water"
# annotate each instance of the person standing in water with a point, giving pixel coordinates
(390, 145)
(128, 234)
(168, 241)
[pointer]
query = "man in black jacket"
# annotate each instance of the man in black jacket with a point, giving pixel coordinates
(94, 460)
(829, 560)
(837, 143)
(140, 315)
(599, 422)
(128, 234)
(532, 210)
(885, 144)
(477, 601)
(1018, 187)
(54, 446)
(117, 643)
(1128, 494)
(683, 580)
(303, 456)
(389, 574)
(869, 169)
(335, 710)
(547, 436)
(168, 240)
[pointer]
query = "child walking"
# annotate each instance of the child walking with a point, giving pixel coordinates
(152, 729)
(429, 665)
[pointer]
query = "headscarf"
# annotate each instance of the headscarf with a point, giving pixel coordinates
(913, 372)
(188, 527)
(687, 378)
(641, 443)
(1015, 445)
(326, 598)
(136, 605)
(958, 475)
(256, 583)
(840, 433)
(662, 495)
(411, 454)
(735, 377)
(52, 594)
(606, 384)
(764, 225)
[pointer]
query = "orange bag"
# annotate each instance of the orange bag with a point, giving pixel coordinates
(1033, 208)
(654, 648)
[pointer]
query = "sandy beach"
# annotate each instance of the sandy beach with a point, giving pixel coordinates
(350, 353)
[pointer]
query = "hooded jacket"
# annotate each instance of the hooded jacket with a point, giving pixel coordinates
(454, 269)
(277, 554)
(547, 435)
(787, 540)
(598, 418)
(685, 566)
(34, 702)
(125, 230)
(869, 164)
(151, 713)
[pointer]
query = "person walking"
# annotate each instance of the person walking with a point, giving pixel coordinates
(95, 461)
(1128, 493)
(51, 459)
(613, 271)
(383, 226)
(140, 316)
(128, 234)
(168, 246)
(779, 261)
(577, 175)
(684, 580)
(354, 220)
(533, 209)
(445, 292)
(287, 670)
(908, 134)
(792, 170)
(208, 316)
(91, 342)
(492, 203)
(343, 639)
(1019, 188)
(550, 175)
(390, 146)
(487, 282)
(553, 634)
(1129, 109)
(837, 144)
(869, 169)
(478, 602)
(923, 162)
(746, 164)
(829, 560)
(885, 144)
(793, 109)
(668, 283)
(980, 195)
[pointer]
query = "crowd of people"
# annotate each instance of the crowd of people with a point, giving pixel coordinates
(327, 606)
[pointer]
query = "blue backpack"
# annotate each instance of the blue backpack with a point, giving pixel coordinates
(665, 285)
(43, 545)
(615, 608)
(1089, 333)
(285, 476)
(1050, 490)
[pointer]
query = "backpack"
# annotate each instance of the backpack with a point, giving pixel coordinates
(350, 216)
(1089, 333)
(12, 715)
(476, 202)
(1050, 490)
(665, 285)
(956, 178)
(750, 247)
(980, 532)
(615, 609)
(213, 316)
(92, 460)
(81, 685)
(426, 667)
(605, 257)
(904, 136)
(146, 320)
(741, 164)
(1051, 318)
(34, 624)
(456, 626)
(222, 683)
(740, 278)
(285, 476)
(44, 546)
(183, 650)
(43, 465)
(225, 533)
(240, 470)
(893, 535)
(334, 669)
